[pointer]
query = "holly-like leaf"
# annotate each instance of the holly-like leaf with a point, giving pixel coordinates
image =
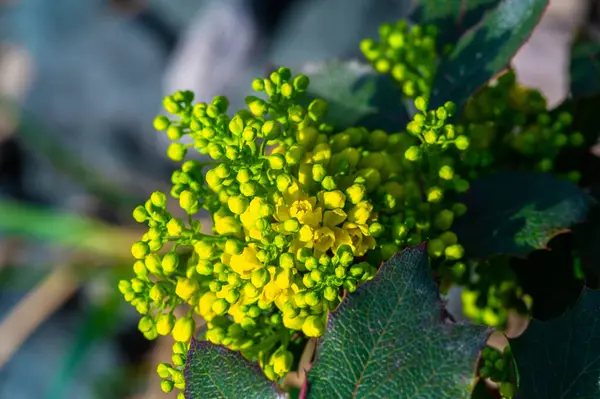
(213, 371)
(485, 50)
(560, 358)
(518, 212)
(585, 69)
(357, 95)
(390, 339)
(452, 18)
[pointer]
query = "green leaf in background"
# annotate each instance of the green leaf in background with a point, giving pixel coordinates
(518, 212)
(213, 371)
(452, 18)
(65, 229)
(560, 358)
(485, 50)
(585, 69)
(390, 339)
(482, 391)
(357, 96)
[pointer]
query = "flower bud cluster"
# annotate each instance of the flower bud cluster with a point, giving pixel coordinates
(499, 367)
(507, 121)
(407, 53)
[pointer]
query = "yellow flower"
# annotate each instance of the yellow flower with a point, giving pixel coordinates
(252, 213)
(204, 307)
(284, 278)
(245, 263)
(360, 213)
(341, 238)
(324, 239)
(271, 292)
(186, 287)
(235, 312)
(361, 241)
(227, 226)
(334, 217)
(304, 210)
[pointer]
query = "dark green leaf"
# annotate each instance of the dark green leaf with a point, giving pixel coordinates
(482, 391)
(452, 18)
(213, 371)
(390, 339)
(560, 358)
(485, 50)
(585, 69)
(357, 96)
(518, 212)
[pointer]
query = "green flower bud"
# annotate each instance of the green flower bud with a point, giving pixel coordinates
(311, 298)
(220, 307)
(175, 227)
(454, 252)
(301, 83)
(333, 199)
(176, 152)
(146, 324)
(140, 214)
(413, 153)
(313, 326)
(317, 109)
(291, 225)
(184, 329)
(237, 204)
(139, 250)
(436, 247)
(260, 277)
(443, 220)
(140, 269)
(318, 172)
(287, 261)
(421, 104)
(157, 293)
(306, 137)
(257, 106)
(164, 370)
(248, 189)
(277, 161)
(165, 323)
(271, 130)
(330, 293)
(282, 361)
(462, 142)
(188, 202)
(328, 183)
(356, 193)
(446, 172)
(169, 263)
(161, 122)
(435, 194)
(258, 85)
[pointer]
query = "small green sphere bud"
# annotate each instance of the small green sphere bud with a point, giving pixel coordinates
(175, 227)
(450, 108)
(158, 199)
(330, 293)
(176, 152)
(446, 172)
(188, 202)
(454, 252)
(164, 370)
(146, 324)
(421, 104)
(140, 214)
(236, 126)
(317, 109)
(165, 323)
(237, 204)
(462, 142)
(277, 161)
(301, 83)
(258, 85)
(287, 90)
(314, 326)
(413, 153)
(328, 183)
(161, 122)
(435, 195)
(139, 250)
(291, 225)
(220, 306)
(435, 248)
(169, 263)
(184, 329)
(271, 130)
(282, 362)
(174, 133)
(376, 229)
(318, 172)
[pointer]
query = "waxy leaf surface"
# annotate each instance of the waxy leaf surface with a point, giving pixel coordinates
(452, 18)
(518, 212)
(585, 69)
(390, 339)
(215, 372)
(485, 50)
(357, 96)
(560, 358)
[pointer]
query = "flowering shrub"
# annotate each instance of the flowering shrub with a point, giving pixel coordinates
(333, 232)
